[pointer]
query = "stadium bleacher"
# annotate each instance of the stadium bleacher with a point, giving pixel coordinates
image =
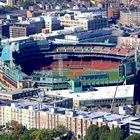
(95, 64)
(99, 65)
(123, 51)
(97, 49)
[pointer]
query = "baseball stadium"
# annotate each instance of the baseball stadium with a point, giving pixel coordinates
(93, 64)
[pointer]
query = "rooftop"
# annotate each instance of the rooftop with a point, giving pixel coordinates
(10, 40)
(64, 113)
(15, 91)
(137, 120)
(100, 93)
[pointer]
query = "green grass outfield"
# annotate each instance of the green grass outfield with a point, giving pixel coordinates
(65, 72)
(113, 74)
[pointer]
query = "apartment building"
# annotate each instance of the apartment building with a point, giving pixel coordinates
(129, 17)
(26, 28)
(87, 20)
(33, 116)
(135, 126)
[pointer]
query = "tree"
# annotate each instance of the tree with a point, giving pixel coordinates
(116, 134)
(26, 4)
(103, 136)
(103, 129)
(59, 131)
(73, 138)
(133, 137)
(103, 132)
(43, 134)
(17, 128)
(27, 135)
(7, 137)
(92, 133)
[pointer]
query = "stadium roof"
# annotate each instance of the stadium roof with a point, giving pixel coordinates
(10, 40)
(87, 43)
(123, 91)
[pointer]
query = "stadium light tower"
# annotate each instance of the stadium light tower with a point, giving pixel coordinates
(60, 58)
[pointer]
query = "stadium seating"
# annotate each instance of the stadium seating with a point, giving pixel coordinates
(96, 64)
(131, 52)
(114, 51)
(99, 65)
(96, 49)
(123, 51)
(54, 64)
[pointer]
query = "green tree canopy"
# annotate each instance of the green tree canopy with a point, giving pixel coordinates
(73, 138)
(17, 128)
(20, 133)
(43, 134)
(27, 135)
(7, 137)
(60, 131)
(92, 133)
(103, 136)
(103, 129)
(26, 4)
(133, 137)
(116, 134)
(103, 132)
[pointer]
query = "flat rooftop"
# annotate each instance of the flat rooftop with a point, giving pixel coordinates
(98, 32)
(15, 91)
(137, 120)
(63, 113)
(108, 92)
(10, 40)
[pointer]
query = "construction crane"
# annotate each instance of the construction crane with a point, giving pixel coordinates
(113, 101)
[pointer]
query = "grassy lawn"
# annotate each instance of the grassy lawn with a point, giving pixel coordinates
(113, 74)
(66, 72)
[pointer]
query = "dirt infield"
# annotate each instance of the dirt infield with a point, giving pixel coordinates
(77, 73)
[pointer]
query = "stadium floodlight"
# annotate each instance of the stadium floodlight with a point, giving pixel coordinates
(60, 58)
